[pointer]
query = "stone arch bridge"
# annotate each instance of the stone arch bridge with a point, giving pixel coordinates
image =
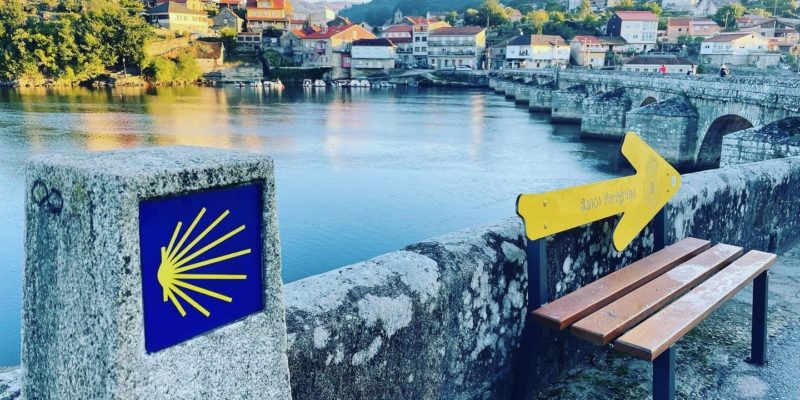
(683, 117)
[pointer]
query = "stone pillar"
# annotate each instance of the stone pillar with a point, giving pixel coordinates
(153, 274)
(500, 88)
(604, 115)
(511, 89)
(567, 104)
(521, 95)
(669, 127)
(539, 97)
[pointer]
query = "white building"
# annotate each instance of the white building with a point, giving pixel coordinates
(588, 50)
(646, 63)
(456, 46)
(537, 51)
(373, 55)
(638, 28)
(739, 48)
(682, 6)
(421, 28)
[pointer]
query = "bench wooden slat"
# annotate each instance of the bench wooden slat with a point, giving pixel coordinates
(656, 334)
(606, 324)
(574, 306)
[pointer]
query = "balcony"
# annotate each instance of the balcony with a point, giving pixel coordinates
(454, 53)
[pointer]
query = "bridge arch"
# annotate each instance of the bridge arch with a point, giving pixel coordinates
(648, 100)
(711, 148)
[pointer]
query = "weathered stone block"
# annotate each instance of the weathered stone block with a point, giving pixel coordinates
(567, 104)
(83, 318)
(669, 127)
(604, 115)
(776, 140)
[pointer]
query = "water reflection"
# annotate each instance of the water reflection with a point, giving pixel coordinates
(359, 172)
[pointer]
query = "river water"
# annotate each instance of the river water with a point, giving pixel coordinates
(359, 172)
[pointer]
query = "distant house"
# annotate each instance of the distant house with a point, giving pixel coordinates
(226, 18)
(769, 27)
(209, 55)
(298, 24)
(740, 48)
(695, 27)
(372, 55)
(367, 26)
(652, 63)
(196, 5)
(232, 4)
(249, 41)
(263, 14)
(638, 28)
(587, 51)
(178, 18)
(452, 47)
(536, 52)
(401, 36)
(421, 28)
(331, 47)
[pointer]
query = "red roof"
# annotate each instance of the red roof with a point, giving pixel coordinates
(229, 2)
(331, 32)
(399, 28)
(586, 39)
(457, 31)
(636, 15)
(678, 21)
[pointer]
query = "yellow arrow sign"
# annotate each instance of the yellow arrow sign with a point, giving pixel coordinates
(638, 196)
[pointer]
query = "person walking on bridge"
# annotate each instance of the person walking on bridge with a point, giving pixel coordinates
(662, 69)
(724, 72)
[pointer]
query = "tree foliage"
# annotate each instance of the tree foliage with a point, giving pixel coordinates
(84, 38)
(493, 12)
(537, 19)
(727, 15)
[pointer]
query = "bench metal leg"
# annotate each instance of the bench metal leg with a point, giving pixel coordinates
(758, 346)
(664, 375)
(532, 341)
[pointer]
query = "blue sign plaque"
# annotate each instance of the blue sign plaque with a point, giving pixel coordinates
(201, 262)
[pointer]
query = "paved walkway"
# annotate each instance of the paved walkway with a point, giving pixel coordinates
(710, 360)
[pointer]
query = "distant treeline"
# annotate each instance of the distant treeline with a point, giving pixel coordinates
(70, 40)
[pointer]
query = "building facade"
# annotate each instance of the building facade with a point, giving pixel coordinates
(588, 51)
(263, 14)
(694, 27)
(453, 47)
(226, 18)
(740, 48)
(638, 28)
(372, 56)
(421, 28)
(537, 52)
(331, 47)
(178, 18)
(647, 63)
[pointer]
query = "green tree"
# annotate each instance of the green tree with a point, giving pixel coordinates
(228, 37)
(727, 15)
(160, 70)
(585, 10)
(625, 5)
(558, 17)
(473, 18)
(653, 7)
(451, 18)
(186, 68)
(493, 12)
(537, 19)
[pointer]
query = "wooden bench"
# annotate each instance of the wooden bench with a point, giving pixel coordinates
(644, 308)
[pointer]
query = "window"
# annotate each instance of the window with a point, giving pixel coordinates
(424, 38)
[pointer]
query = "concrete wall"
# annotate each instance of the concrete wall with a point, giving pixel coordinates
(441, 319)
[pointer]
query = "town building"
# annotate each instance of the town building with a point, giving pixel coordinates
(263, 14)
(705, 8)
(401, 35)
(587, 51)
(369, 56)
(232, 4)
(178, 18)
(196, 5)
(638, 28)
(769, 27)
(536, 52)
(653, 63)
(226, 18)
(451, 47)
(513, 14)
(249, 41)
(740, 48)
(694, 27)
(322, 16)
(421, 27)
(331, 47)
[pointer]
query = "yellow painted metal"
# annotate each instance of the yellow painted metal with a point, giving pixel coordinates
(638, 196)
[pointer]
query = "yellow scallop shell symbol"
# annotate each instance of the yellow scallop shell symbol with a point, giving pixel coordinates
(172, 272)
